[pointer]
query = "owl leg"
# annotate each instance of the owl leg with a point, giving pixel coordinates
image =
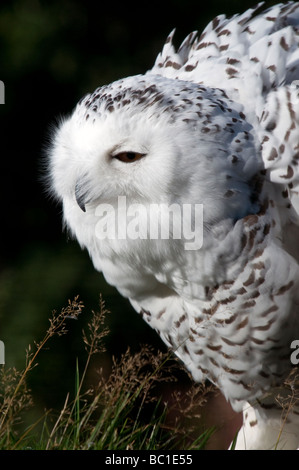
(267, 427)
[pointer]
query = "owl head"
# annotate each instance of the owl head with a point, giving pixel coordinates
(154, 140)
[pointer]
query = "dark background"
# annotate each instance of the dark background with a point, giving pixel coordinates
(52, 53)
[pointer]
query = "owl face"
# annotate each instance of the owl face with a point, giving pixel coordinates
(154, 140)
(104, 151)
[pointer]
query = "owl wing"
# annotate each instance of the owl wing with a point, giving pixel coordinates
(255, 59)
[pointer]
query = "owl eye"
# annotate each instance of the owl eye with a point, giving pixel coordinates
(129, 157)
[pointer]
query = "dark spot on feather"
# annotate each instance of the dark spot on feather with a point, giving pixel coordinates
(289, 173)
(284, 44)
(273, 154)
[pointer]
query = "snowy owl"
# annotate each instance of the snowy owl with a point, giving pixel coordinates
(182, 184)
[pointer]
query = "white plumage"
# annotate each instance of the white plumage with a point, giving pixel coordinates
(214, 123)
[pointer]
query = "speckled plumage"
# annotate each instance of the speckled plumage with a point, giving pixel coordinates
(214, 123)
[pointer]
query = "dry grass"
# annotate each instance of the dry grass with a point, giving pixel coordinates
(111, 414)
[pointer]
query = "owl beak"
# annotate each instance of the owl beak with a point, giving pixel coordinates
(81, 196)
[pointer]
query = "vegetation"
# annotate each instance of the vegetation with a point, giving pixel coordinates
(120, 411)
